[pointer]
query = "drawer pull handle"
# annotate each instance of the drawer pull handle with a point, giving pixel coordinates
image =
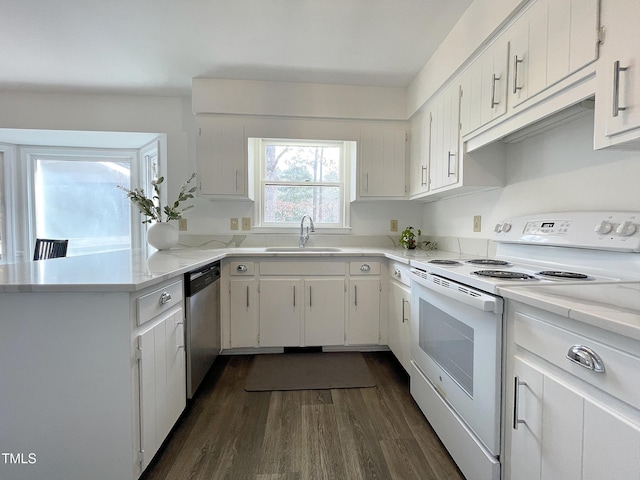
(585, 357)
(165, 298)
(365, 267)
(516, 402)
(241, 268)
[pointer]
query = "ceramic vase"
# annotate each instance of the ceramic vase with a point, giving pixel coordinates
(162, 235)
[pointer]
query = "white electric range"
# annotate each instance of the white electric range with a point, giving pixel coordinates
(456, 317)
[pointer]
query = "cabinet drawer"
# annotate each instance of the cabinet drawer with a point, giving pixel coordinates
(241, 268)
(154, 303)
(364, 268)
(302, 268)
(621, 376)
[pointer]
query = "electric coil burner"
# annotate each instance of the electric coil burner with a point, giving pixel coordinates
(489, 261)
(444, 262)
(509, 275)
(561, 274)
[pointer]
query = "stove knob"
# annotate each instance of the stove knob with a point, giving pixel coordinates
(506, 227)
(603, 227)
(626, 228)
(498, 228)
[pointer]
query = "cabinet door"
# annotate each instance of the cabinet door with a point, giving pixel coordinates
(494, 81)
(221, 152)
(420, 150)
(611, 445)
(176, 373)
(162, 377)
(399, 315)
(244, 328)
(445, 160)
(382, 164)
(363, 326)
(324, 311)
(618, 89)
(280, 312)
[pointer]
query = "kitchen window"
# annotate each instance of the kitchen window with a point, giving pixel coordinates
(298, 177)
(74, 195)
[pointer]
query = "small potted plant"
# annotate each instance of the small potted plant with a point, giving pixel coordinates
(161, 234)
(408, 237)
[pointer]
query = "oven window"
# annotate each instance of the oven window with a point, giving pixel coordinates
(449, 342)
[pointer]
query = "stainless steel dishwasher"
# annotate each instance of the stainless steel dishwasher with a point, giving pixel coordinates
(202, 306)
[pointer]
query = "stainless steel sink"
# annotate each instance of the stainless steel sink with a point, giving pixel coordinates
(302, 250)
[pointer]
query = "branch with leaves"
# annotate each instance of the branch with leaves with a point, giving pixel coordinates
(152, 207)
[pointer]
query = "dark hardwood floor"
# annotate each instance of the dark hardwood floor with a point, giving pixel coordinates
(360, 433)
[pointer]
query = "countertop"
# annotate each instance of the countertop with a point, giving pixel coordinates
(612, 307)
(129, 270)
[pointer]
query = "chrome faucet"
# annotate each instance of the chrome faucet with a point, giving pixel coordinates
(304, 235)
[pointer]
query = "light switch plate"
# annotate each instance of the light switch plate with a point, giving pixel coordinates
(234, 224)
(393, 225)
(246, 223)
(182, 224)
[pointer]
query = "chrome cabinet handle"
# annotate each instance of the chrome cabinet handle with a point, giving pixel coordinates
(241, 268)
(516, 401)
(247, 296)
(165, 298)
(423, 177)
(494, 79)
(366, 182)
(616, 87)
(404, 319)
(516, 61)
(365, 268)
(355, 295)
(310, 302)
(294, 296)
(237, 179)
(451, 155)
(585, 357)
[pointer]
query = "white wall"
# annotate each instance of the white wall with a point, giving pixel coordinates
(554, 171)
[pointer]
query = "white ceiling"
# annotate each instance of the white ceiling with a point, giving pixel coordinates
(158, 46)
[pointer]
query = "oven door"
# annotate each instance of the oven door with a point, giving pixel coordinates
(456, 342)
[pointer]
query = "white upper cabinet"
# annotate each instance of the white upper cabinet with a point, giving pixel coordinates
(221, 152)
(484, 86)
(445, 139)
(617, 117)
(420, 151)
(381, 168)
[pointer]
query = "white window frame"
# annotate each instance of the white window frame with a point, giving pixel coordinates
(7, 202)
(257, 148)
(29, 156)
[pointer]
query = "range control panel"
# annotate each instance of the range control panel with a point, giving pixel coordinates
(599, 230)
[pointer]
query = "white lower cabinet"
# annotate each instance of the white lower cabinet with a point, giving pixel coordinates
(399, 320)
(363, 326)
(243, 300)
(565, 421)
(162, 380)
(301, 312)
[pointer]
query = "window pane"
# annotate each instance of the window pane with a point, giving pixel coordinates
(289, 203)
(302, 163)
(78, 200)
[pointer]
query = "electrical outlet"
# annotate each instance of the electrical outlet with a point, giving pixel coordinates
(393, 225)
(182, 224)
(246, 223)
(234, 224)
(477, 223)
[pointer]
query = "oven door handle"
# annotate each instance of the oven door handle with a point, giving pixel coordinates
(456, 291)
